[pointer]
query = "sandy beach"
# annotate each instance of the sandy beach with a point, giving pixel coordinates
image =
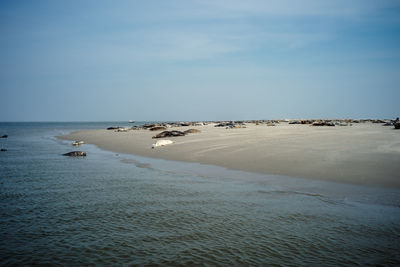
(365, 153)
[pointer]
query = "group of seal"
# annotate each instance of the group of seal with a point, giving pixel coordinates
(169, 134)
(175, 133)
(323, 123)
(76, 153)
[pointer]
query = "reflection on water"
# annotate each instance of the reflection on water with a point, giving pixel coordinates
(119, 209)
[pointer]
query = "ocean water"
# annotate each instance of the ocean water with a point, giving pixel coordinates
(114, 209)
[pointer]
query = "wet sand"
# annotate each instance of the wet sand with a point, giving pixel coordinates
(365, 153)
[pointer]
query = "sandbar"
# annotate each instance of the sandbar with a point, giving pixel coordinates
(365, 153)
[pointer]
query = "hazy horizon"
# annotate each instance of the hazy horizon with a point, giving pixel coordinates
(198, 60)
(247, 119)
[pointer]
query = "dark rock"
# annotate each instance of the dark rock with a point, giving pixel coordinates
(3, 149)
(113, 128)
(192, 131)
(168, 134)
(75, 154)
(4, 136)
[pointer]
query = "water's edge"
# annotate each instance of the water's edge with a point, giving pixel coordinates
(308, 185)
(120, 209)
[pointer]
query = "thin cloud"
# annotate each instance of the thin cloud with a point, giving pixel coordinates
(301, 8)
(176, 45)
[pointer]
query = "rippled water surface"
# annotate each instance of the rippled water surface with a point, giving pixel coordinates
(119, 209)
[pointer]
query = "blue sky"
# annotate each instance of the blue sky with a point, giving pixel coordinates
(198, 60)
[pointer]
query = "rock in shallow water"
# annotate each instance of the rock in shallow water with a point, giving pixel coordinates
(75, 154)
(3, 149)
(4, 136)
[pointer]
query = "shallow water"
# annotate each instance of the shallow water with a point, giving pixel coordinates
(110, 208)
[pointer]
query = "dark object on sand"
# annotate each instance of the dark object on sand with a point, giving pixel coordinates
(113, 128)
(378, 121)
(323, 123)
(136, 127)
(396, 123)
(225, 124)
(148, 126)
(169, 133)
(158, 128)
(4, 136)
(75, 154)
(191, 131)
(3, 149)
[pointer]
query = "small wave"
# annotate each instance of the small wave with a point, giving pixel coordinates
(290, 193)
(138, 163)
(307, 194)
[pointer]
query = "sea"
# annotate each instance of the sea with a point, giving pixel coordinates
(117, 209)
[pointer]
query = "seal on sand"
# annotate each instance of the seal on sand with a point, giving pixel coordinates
(161, 143)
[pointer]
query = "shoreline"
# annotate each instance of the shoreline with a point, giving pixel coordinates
(365, 154)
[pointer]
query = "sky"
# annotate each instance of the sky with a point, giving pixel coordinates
(171, 60)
